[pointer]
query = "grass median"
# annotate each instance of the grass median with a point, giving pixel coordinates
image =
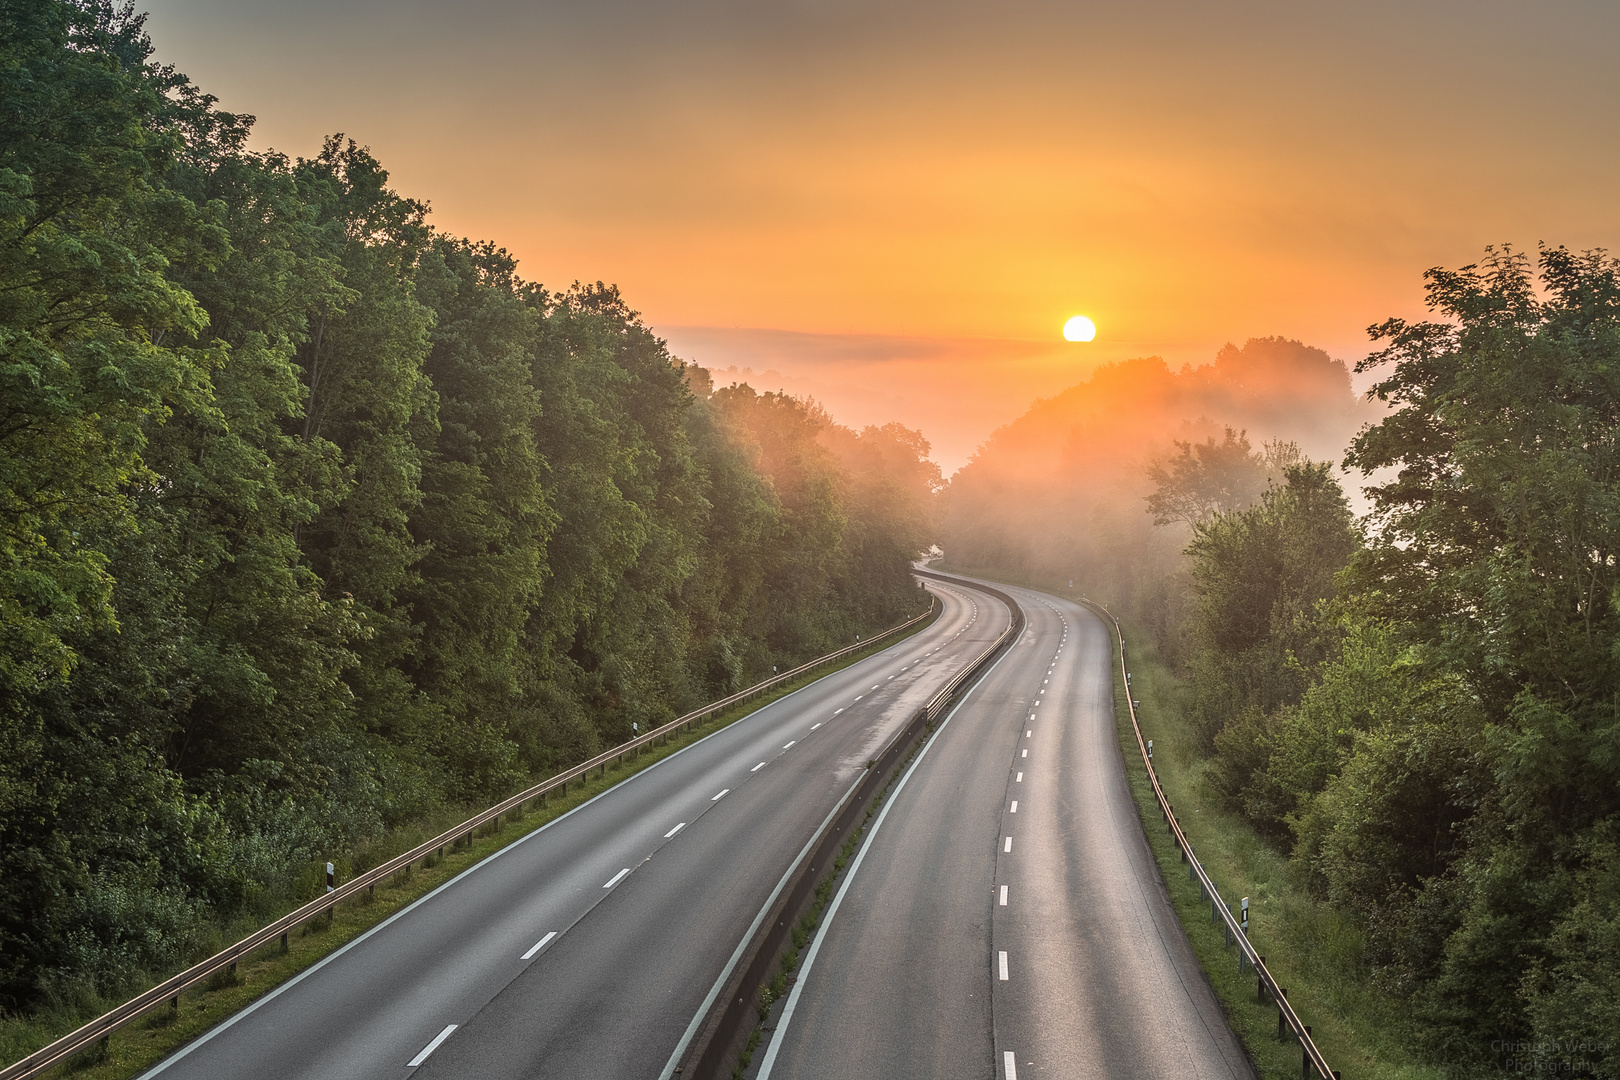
(144, 1042)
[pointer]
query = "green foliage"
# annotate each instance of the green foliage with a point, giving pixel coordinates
(1260, 574)
(1496, 543)
(1441, 743)
(318, 523)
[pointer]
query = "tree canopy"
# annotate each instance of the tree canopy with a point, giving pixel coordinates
(316, 519)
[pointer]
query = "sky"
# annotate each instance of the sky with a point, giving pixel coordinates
(895, 206)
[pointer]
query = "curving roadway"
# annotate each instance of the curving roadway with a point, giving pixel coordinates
(1005, 916)
(590, 947)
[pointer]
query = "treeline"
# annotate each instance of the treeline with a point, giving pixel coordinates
(316, 520)
(1421, 705)
(1059, 493)
(1428, 715)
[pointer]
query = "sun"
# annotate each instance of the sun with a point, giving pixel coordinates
(1079, 328)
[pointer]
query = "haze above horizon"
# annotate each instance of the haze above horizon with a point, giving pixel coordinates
(897, 206)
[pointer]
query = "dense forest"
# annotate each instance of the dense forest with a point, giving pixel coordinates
(317, 520)
(1422, 705)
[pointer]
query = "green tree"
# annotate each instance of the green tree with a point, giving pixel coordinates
(1496, 540)
(1260, 574)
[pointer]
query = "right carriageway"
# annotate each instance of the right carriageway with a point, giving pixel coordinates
(1004, 915)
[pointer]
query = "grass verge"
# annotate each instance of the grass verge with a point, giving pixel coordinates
(141, 1044)
(773, 997)
(1313, 949)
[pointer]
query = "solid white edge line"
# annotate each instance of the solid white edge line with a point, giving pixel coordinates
(736, 955)
(1010, 1061)
(242, 1014)
(1003, 961)
(775, 1046)
(616, 878)
(430, 1047)
(675, 830)
(538, 945)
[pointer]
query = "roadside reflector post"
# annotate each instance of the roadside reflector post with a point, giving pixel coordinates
(1150, 749)
(331, 877)
(1245, 916)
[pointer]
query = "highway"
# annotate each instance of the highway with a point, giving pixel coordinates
(1004, 916)
(590, 948)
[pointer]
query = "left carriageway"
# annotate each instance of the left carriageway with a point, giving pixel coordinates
(591, 947)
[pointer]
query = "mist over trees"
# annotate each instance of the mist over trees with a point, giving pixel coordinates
(317, 520)
(1059, 493)
(1421, 707)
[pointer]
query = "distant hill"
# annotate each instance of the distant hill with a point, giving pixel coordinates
(1060, 491)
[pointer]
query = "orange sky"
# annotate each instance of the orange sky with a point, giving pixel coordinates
(870, 196)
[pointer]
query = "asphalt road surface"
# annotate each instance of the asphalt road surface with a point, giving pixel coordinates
(589, 948)
(1005, 917)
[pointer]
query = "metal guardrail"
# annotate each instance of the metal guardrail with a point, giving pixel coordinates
(937, 703)
(169, 991)
(1288, 1021)
(723, 1033)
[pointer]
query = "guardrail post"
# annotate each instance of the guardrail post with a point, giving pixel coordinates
(1305, 1052)
(283, 949)
(1282, 1020)
(1261, 981)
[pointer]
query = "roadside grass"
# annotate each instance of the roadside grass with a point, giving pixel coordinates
(142, 1043)
(773, 997)
(1313, 949)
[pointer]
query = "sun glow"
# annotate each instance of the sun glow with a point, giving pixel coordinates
(1079, 328)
